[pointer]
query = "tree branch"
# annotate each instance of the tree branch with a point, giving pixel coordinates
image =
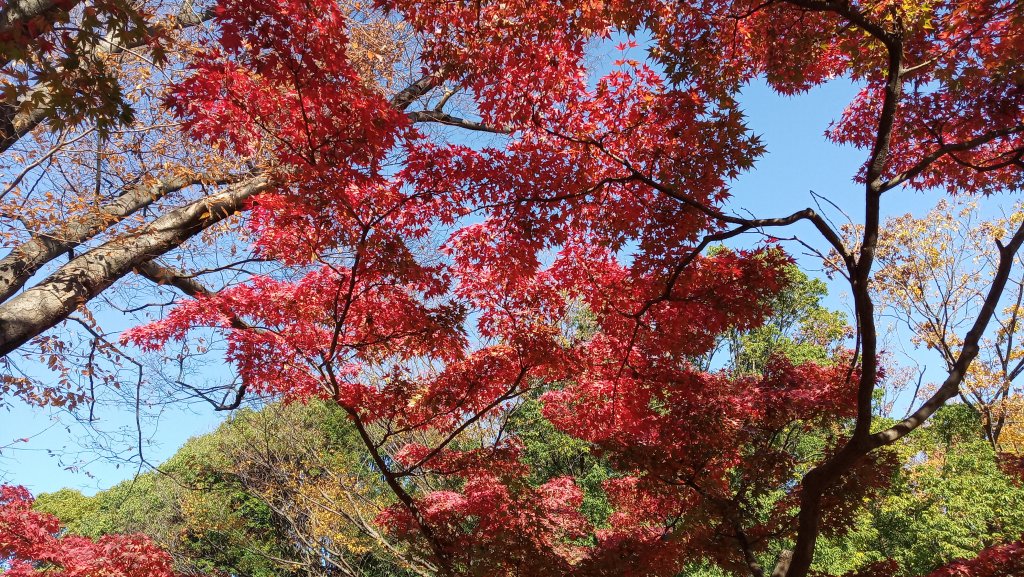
(48, 303)
(968, 352)
(15, 17)
(443, 118)
(945, 150)
(17, 120)
(26, 259)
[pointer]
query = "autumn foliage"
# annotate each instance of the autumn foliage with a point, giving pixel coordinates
(638, 160)
(428, 284)
(999, 561)
(31, 544)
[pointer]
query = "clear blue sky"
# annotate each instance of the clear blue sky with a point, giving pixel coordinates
(799, 159)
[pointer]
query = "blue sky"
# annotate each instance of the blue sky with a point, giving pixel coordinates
(62, 452)
(799, 160)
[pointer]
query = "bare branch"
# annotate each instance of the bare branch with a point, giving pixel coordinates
(443, 118)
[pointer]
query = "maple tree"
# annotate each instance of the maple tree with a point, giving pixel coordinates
(299, 470)
(425, 283)
(96, 170)
(31, 544)
(637, 158)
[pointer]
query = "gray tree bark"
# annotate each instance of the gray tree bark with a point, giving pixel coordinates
(51, 300)
(26, 259)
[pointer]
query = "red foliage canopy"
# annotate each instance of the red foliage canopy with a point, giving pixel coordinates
(599, 195)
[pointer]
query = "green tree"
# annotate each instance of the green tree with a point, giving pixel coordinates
(551, 454)
(800, 328)
(273, 492)
(948, 501)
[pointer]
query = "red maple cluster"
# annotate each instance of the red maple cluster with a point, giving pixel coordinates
(32, 544)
